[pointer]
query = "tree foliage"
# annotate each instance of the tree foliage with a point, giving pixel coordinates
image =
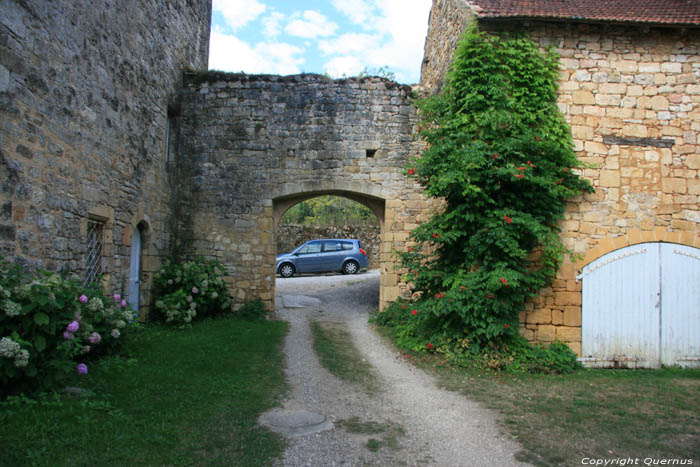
(329, 210)
(501, 156)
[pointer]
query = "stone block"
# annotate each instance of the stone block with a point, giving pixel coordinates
(635, 130)
(546, 333)
(583, 97)
(572, 315)
(568, 334)
(674, 185)
(609, 178)
(542, 316)
(567, 298)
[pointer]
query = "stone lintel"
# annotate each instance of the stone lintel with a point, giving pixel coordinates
(655, 142)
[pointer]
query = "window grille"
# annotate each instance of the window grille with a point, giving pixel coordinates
(93, 257)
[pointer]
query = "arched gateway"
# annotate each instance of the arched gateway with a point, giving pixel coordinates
(250, 147)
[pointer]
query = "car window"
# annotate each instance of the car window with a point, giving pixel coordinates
(347, 245)
(311, 248)
(332, 246)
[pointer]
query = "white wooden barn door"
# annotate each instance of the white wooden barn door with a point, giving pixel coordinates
(641, 307)
(680, 305)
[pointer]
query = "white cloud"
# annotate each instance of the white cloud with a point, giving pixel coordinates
(395, 39)
(344, 66)
(238, 13)
(272, 24)
(311, 24)
(228, 53)
(360, 12)
(348, 43)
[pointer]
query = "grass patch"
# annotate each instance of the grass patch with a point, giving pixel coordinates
(337, 353)
(598, 414)
(390, 432)
(183, 397)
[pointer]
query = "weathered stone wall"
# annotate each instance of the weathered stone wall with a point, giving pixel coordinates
(448, 20)
(252, 146)
(84, 95)
(290, 236)
(632, 98)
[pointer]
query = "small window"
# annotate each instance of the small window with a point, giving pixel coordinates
(370, 152)
(332, 246)
(347, 246)
(93, 255)
(311, 248)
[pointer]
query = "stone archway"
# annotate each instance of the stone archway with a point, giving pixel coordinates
(253, 146)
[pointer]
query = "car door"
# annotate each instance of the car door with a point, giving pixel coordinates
(309, 257)
(332, 255)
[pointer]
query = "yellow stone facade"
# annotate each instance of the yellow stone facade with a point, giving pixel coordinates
(632, 99)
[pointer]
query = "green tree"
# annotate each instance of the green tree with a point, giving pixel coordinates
(501, 157)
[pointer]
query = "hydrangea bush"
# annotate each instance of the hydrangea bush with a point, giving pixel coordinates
(50, 326)
(185, 291)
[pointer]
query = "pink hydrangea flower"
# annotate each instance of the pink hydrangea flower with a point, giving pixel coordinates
(73, 326)
(82, 369)
(117, 297)
(67, 335)
(83, 298)
(94, 338)
(123, 303)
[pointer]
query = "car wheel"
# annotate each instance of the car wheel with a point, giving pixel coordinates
(351, 267)
(286, 270)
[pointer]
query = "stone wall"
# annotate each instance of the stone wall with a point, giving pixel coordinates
(631, 95)
(289, 236)
(84, 94)
(632, 99)
(253, 145)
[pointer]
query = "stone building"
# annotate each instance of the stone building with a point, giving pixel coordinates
(86, 89)
(630, 90)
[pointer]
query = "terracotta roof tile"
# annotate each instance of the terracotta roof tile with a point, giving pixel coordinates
(676, 12)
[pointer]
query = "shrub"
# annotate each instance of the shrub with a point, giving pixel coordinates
(500, 156)
(416, 331)
(49, 323)
(189, 290)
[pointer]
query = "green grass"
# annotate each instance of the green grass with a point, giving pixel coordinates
(183, 397)
(599, 414)
(337, 353)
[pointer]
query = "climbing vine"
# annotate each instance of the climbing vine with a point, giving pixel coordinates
(501, 157)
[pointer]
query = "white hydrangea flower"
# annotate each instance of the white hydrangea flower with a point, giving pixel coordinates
(8, 347)
(95, 304)
(22, 358)
(11, 308)
(120, 324)
(115, 333)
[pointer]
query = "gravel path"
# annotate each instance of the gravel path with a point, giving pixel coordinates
(437, 427)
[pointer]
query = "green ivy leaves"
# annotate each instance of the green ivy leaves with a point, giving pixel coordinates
(500, 156)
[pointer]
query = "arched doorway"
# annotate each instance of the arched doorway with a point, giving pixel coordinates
(290, 235)
(641, 307)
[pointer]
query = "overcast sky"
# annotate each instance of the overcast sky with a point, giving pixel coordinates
(338, 37)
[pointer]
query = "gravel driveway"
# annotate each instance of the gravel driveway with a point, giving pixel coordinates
(432, 426)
